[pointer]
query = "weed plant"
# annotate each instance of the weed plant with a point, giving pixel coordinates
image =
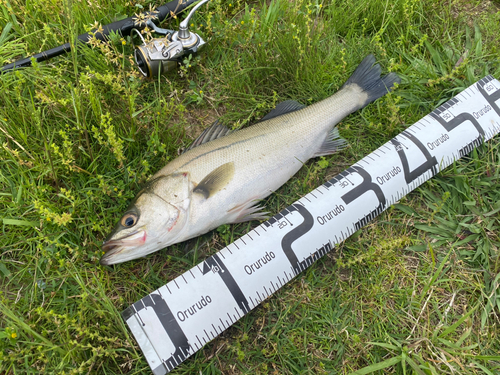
(414, 292)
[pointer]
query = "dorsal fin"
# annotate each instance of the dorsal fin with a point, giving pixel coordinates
(283, 108)
(215, 131)
(215, 180)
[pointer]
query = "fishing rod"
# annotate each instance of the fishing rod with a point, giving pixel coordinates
(154, 57)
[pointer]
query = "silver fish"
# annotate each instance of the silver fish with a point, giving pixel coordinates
(221, 178)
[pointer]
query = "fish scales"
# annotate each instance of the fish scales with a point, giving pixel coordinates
(302, 131)
(278, 147)
(221, 181)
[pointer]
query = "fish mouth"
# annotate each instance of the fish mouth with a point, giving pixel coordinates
(118, 251)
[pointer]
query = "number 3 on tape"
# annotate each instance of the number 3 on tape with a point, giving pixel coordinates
(176, 320)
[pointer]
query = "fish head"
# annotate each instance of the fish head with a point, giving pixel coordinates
(153, 220)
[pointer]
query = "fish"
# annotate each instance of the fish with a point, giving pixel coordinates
(222, 177)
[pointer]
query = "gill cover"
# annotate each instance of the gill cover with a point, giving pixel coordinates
(153, 221)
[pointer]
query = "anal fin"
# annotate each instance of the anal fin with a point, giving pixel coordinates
(331, 144)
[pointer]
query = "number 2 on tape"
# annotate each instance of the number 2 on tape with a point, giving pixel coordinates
(227, 282)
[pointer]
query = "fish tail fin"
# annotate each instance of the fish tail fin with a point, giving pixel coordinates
(367, 77)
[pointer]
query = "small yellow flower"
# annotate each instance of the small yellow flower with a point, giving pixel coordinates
(242, 22)
(321, 5)
(230, 5)
(124, 42)
(13, 335)
(201, 92)
(192, 25)
(116, 189)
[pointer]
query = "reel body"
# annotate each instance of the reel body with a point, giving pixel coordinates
(161, 55)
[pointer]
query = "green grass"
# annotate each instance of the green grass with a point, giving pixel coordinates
(414, 292)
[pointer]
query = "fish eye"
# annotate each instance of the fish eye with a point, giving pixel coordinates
(129, 220)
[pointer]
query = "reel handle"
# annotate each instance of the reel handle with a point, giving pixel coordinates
(183, 27)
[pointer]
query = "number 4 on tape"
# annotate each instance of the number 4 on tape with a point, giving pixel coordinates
(176, 320)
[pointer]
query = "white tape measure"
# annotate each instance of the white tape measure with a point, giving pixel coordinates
(179, 318)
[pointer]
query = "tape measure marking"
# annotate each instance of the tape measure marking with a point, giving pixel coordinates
(179, 318)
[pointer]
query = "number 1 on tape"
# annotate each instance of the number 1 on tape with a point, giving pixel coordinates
(176, 320)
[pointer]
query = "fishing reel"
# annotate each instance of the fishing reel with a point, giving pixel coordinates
(161, 55)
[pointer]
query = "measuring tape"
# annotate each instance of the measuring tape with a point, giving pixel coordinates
(178, 319)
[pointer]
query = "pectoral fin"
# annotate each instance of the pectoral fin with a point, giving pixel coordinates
(215, 180)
